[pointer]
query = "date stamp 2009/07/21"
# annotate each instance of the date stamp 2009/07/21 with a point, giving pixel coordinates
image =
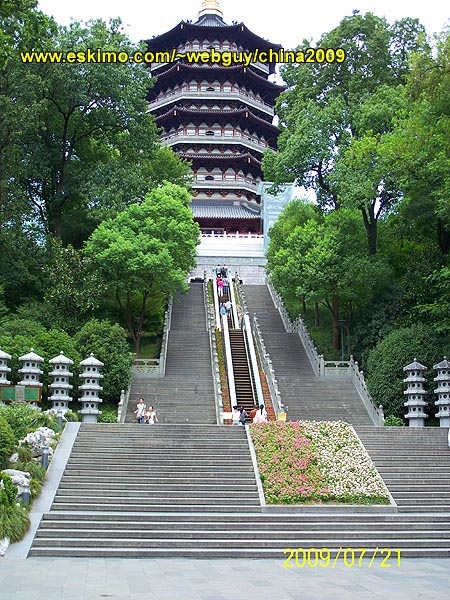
(349, 557)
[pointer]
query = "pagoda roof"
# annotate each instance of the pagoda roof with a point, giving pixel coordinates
(178, 111)
(209, 24)
(211, 211)
(179, 68)
(215, 157)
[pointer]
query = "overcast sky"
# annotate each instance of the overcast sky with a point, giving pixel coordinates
(285, 22)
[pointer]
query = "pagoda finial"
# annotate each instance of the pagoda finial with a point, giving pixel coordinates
(210, 7)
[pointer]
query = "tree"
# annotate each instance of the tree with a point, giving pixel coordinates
(328, 107)
(108, 343)
(326, 263)
(420, 152)
(95, 148)
(147, 249)
(73, 290)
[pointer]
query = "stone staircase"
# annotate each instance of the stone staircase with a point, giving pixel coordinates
(186, 393)
(306, 396)
(189, 491)
(414, 463)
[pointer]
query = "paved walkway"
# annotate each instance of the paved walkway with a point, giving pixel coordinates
(182, 579)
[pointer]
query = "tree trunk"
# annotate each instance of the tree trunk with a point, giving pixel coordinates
(370, 224)
(335, 313)
(303, 304)
(316, 314)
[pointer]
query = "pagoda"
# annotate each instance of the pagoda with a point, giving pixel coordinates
(218, 117)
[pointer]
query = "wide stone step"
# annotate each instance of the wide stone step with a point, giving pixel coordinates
(125, 490)
(211, 553)
(176, 470)
(148, 524)
(175, 479)
(324, 517)
(230, 534)
(225, 542)
(142, 507)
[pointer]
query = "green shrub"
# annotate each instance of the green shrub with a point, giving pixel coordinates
(386, 361)
(14, 522)
(109, 414)
(392, 421)
(108, 343)
(19, 417)
(7, 442)
(35, 470)
(8, 491)
(24, 453)
(40, 419)
(71, 416)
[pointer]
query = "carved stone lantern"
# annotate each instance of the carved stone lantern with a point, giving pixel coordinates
(415, 394)
(4, 369)
(60, 386)
(31, 370)
(90, 389)
(443, 392)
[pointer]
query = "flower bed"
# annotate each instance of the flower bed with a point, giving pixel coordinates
(315, 462)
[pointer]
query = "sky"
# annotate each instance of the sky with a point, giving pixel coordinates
(286, 22)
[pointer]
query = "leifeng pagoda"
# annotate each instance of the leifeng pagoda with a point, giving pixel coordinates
(218, 117)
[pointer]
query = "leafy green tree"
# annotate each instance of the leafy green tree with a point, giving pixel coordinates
(326, 108)
(73, 290)
(420, 154)
(108, 343)
(326, 262)
(147, 249)
(93, 148)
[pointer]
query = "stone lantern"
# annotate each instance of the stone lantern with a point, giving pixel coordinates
(31, 370)
(60, 386)
(415, 394)
(90, 389)
(4, 369)
(443, 391)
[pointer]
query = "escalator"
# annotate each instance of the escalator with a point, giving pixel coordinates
(245, 395)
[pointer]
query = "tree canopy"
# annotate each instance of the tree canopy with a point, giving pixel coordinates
(149, 248)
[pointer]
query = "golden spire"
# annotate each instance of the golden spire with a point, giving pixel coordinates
(210, 7)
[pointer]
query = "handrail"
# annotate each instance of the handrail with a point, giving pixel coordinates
(267, 367)
(165, 338)
(249, 366)
(123, 405)
(210, 327)
(216, 302)
(376, 412)
(253, 360)
(264, 357)
(233, 300)
(323, 368)
(229, 361)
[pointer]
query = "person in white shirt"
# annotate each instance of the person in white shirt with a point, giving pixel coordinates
(261, 415)
(140, 410)
(150, 416)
